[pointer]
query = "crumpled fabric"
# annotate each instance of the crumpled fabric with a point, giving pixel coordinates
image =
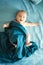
(15, 34)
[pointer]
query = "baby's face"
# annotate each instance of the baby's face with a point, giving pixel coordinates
(21, 17)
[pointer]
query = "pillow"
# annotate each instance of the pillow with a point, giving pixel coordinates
(36, 1)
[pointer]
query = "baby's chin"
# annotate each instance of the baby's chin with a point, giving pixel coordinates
(21, 21)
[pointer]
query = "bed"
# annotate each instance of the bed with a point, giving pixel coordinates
(8, 9)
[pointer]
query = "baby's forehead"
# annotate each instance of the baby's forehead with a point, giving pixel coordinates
(22, 11)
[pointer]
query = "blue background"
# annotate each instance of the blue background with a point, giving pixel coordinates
(8, 9)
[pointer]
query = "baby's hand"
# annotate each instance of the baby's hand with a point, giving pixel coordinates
(6, 25)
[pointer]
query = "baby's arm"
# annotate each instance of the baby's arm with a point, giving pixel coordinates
(6, 25)
(28, 40)
(32, 24)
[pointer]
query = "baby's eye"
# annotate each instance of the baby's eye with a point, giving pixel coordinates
(20, 16)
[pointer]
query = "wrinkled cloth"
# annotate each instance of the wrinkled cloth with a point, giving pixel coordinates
(15, 34)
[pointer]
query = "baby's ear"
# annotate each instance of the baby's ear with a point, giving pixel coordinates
(38, 24)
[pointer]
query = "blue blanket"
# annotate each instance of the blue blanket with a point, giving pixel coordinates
(15, 34)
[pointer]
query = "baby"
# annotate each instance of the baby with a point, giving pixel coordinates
(21, 18)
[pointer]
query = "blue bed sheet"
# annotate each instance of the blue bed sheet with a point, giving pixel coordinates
(8, 9)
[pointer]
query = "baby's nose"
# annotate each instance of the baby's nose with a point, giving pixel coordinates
(22, 18)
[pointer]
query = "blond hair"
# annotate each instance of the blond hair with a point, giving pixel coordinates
(21, 11)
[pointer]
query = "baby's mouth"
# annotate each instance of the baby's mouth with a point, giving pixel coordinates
(21, 20)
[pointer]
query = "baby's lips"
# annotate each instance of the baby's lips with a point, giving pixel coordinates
(21, 20)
